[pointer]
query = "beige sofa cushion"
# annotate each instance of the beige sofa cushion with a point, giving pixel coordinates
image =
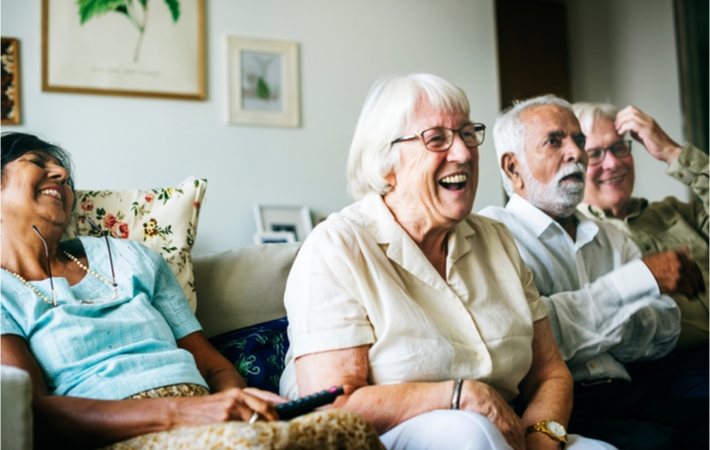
(243, 286)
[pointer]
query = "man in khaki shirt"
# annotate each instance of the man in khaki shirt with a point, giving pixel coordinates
(680, 378)
(658, 226)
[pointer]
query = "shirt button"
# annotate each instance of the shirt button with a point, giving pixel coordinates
(593, 365)
(479, 357)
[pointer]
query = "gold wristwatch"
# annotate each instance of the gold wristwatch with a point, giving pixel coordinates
(553, 429)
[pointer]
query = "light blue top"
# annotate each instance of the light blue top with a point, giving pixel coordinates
(114, 348)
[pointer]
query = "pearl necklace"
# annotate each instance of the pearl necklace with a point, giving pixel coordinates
(53, 302)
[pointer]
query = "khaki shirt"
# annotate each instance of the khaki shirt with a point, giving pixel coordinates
(670, 224)
(359, 279)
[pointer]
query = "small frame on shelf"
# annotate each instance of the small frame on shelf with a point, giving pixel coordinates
(292, 219)
(273, 237)
(10, 81)
(263, 83)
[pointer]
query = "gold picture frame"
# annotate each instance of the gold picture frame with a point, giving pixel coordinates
(10, 81)
(146, 49)
(263, 82)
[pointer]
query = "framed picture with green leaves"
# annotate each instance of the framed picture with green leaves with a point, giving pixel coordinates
(149, 48)
(263, 82)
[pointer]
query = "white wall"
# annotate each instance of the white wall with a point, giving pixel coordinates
(621, 51)
(624, 52)
(345, 45)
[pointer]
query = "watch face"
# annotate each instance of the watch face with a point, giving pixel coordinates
(556, 428)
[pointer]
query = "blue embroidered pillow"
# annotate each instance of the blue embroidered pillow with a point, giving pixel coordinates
(257, 351)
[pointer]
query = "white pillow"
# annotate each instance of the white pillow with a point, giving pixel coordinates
(163, 219)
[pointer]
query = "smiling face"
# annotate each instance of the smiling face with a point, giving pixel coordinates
(433, 190)
(35, 189)
(555, 161)
(610, 183)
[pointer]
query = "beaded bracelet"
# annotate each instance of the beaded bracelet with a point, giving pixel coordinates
(456, 397)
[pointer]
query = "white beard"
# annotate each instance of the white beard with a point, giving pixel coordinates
(559, 200)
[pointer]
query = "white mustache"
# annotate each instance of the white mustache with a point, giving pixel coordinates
(571, 169)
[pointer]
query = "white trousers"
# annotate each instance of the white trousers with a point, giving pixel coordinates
(453, 430)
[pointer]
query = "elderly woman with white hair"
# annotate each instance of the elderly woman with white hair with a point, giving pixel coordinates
(423, 311)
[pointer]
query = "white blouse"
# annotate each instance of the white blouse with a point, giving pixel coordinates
(360, 279)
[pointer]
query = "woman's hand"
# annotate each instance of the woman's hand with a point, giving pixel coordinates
(267, 396)
(483, 399)
(541, 441)
(231, 404)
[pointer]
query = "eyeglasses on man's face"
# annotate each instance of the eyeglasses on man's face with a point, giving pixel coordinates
(620, 149)
(440, 139)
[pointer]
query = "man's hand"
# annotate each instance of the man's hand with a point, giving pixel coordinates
(646, 131)
(483, 399)
(674, 272)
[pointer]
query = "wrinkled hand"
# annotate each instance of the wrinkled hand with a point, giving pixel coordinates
(483, 399)
(674, 272)
(232, 404)
(646, 131)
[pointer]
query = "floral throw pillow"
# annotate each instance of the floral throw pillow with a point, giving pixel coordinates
(163, 219)
(258, 352)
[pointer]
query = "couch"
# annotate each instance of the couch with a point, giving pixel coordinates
(236, 288)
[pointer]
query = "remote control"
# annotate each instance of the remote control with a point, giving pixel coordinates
(308, 403)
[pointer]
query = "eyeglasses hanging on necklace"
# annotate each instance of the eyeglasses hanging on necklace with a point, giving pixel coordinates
(53, 301)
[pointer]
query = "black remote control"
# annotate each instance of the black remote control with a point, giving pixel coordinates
(308, 403)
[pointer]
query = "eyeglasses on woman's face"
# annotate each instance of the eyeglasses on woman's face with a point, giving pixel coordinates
(440, 139)
(620, 149)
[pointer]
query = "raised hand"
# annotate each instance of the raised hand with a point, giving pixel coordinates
(646, 131)
(674, 272)
(483, 399)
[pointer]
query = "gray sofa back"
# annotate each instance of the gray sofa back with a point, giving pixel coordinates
(242, 286)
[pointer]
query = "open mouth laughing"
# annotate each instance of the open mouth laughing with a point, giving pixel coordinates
(454, 182)
(52, 192)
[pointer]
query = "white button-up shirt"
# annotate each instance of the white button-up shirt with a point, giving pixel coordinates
(359, 279)
(605, 306)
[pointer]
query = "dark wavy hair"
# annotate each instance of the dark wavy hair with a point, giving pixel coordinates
(15, 145)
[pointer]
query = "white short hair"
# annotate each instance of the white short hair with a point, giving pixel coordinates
(588, 113)
(389, 107)
(509, 131)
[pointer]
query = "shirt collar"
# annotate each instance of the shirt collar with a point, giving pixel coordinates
(538, 222)
(535, 219)
(400, 247)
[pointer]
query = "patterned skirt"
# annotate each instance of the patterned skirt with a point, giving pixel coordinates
(332, 429)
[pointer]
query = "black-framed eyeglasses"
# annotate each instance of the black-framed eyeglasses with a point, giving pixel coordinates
(620, 149)
(439, 139)
(113, 283)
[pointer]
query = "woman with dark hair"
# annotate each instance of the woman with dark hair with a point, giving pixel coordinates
(101, 325)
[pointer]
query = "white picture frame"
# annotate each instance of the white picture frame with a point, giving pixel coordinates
(273, 237)
(263, 82)
(293, 219)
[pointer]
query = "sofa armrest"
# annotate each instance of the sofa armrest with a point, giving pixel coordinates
(16, 409)
(242, 286)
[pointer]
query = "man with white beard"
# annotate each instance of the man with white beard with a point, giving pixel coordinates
(606, 305)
